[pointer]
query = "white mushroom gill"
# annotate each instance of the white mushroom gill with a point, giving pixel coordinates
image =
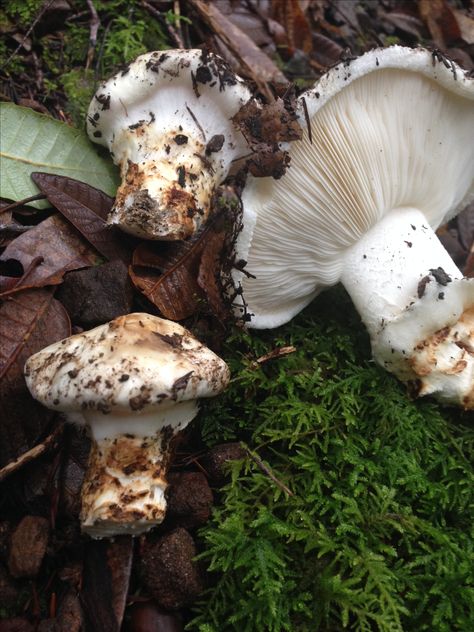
(166, 119)
(135, 382)
(391, 156)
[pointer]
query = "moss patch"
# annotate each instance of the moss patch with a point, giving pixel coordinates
(377, 534)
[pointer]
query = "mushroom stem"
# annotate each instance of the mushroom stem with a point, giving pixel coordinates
(416, 305)
(125, 484)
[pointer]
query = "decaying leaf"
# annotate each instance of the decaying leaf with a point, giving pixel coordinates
(29, 321)
(59, 249)
(178, 276)
(264, 127)
(86, 208)
(291, 16)
(466, 25)
(326, 52)
(440, 20)
(106, 577)
(254, 63)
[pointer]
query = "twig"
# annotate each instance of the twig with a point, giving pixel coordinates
(14, 205)
(267, 471)
(30, 455)
(38, 17)
(175, 35)
(308, 122)
(15, 229)
(94, 29)
(276, 353)
(198, 125)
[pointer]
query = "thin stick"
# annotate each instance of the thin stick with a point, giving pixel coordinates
(94, 29)
(267, 471)
(193, 116)
(44, 8)
(14, 205)
(308, 122)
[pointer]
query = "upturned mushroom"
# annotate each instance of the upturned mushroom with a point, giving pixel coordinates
(387, 156)
(135, 382)
(166, 120)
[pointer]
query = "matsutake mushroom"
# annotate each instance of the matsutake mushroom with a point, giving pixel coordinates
(387, 156)
(166, 120)
(135, 382)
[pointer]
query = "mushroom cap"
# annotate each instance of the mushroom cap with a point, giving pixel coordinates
(166, 120)
(137, 363)
(392, 128)
(158, 86)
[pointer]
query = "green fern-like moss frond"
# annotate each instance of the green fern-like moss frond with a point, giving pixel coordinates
(376, 530)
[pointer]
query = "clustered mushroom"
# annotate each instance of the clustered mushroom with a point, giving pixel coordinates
(166, 120)
(135, 382)
(388, 155)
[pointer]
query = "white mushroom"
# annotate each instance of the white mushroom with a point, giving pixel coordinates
(166, 119)
(390, 157)
(135, 381)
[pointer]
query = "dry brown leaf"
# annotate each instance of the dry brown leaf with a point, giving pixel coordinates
(440, 20)
(105, 582)
(178, 277)
(86, 208)
(254, 62)
(46, 252)
(166, 275)
(291, 16)
(29, 321)
(466, 26)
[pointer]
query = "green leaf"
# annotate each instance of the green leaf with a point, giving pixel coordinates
(34, 142)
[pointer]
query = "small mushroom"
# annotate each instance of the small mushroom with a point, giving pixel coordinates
(388, 155)
(166, 120)
(135, 382)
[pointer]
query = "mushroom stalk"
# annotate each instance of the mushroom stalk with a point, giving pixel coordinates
(135, 382)
(125, 483)
(419, 312)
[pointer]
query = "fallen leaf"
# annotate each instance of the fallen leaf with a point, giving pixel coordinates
(298, 30)
(465, 222)
(60, 249)
(326, 52)
(176, 277)
(405, 22)
(440, 20)
(469, 267)
(106, 578)
(76, 447)
(86, 208)
(254, 62)
(466, 26)
(167, 275)
(34, 142)
(254, 21)
(29, 321)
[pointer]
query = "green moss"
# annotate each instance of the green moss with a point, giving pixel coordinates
(377, 534)
(79, 86)
(126, 31)
(23, 11)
